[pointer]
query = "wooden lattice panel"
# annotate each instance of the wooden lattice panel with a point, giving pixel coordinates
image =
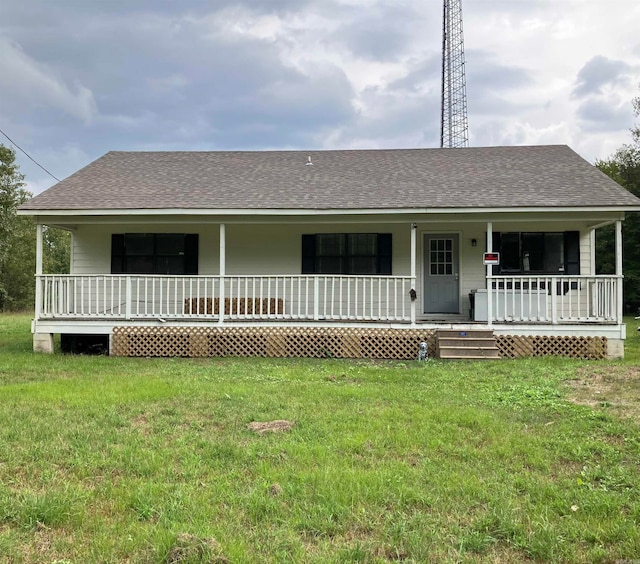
(319, 345)
(396, 343)
(293, 342)
(152, 341)
(588, 348)
(237, 341)
(326, 342)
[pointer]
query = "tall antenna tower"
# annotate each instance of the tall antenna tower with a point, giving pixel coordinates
(454, 130)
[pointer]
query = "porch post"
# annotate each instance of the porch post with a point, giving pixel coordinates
(414, 229)
(38, 304)
(619, 305)
(592, 254)
(489, 275)
(223, 259)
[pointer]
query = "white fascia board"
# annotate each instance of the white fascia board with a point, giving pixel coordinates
(323, 212)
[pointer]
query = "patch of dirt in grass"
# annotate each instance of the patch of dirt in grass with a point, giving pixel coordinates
(342, 378)
(141, 423)
(277, 426)
(42, 541)
(189, 548)
(275, 489)
(614, 388)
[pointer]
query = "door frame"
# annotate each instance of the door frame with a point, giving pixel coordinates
(423, 235)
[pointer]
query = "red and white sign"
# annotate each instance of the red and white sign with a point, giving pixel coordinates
(491, 259)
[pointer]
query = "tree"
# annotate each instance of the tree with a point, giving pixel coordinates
(624, 168)
(18, 241)
(14, 232)
(56, 249)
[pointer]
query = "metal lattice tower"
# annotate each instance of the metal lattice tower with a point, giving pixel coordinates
(454, 130)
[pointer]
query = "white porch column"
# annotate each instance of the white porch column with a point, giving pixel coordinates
(619, 269)
(38, 304)
(414, 229)
(592, 254)
(222, 269)
(42, 342)
(489, 275)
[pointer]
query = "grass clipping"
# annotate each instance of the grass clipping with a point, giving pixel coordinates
(277, 426)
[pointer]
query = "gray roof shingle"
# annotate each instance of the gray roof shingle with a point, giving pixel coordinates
(488, 177)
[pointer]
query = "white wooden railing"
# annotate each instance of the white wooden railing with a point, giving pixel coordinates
(522, 299)
(556, 299)
(294, 297)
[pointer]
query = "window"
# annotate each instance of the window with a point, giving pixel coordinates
(538, 253)
(346, 253)
(441, 257)
(154, 253)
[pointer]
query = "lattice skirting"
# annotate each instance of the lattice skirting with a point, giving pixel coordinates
(589, 348)
(400, 344)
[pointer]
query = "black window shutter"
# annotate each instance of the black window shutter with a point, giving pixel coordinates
(117, 253)
(495, 248)
(191, 253)
(384, 253)
(308, 254)
(572, 253)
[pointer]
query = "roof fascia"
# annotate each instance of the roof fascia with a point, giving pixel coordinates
(322, 212)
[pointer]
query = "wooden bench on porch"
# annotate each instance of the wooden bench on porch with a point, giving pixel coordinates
(234, 306)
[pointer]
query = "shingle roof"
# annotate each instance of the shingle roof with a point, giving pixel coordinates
(489, 177)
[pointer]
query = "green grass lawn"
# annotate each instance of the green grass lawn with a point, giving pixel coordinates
(150, 460)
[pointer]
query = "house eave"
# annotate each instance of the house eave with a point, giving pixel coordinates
(232, 212)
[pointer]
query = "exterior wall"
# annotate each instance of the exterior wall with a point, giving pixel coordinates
(265, 249)
(250, 249)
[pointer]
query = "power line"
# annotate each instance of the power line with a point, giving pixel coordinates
(28, 156)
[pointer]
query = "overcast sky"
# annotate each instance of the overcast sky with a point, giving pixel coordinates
(79, 78)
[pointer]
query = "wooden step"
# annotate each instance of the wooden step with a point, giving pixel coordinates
(468, 333)
(468, 353)
(467, 341)
(472, 344)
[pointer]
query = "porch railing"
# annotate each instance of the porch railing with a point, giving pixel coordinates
(294, 297)
(514, 299)
(556, 299)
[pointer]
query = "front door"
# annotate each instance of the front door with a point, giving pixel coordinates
(441, 273)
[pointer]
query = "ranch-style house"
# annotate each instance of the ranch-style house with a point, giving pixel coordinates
(478, 252)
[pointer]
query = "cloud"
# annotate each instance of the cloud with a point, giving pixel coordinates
(382, 33)
(27, 83)
(600, 73)
(600, 114)
(256, 74)
(494, 87)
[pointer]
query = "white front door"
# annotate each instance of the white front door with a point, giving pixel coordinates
(441, 273)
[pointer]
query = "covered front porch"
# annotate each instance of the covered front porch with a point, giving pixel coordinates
(529, 304)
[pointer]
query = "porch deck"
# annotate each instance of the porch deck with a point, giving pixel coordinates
(338, 316)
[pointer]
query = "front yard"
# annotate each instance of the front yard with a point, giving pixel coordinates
(151, 460)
